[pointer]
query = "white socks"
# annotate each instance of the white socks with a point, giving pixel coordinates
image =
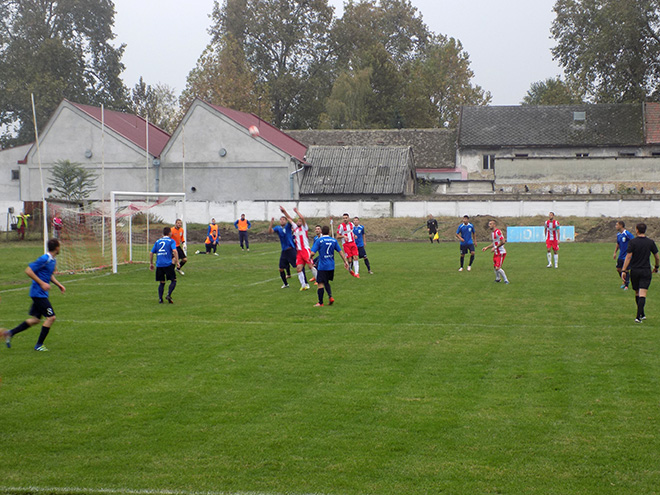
(501, 272)
(356, 267)
(549, 258)
(556, 260)
(301, 277)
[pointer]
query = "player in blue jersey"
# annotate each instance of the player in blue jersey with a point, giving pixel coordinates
(288, 255)
(623, 237)
(466, 234)
(167, 259)
(41, 272)
(326, 246)
(358, 230)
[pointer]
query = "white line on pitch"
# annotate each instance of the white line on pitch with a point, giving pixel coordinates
(112, 491)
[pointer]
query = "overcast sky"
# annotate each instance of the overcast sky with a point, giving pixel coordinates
(508, 41)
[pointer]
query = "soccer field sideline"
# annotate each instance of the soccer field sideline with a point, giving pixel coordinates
(129, 491)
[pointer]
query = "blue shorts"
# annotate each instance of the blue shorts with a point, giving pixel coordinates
(467, 247)
(362, 253)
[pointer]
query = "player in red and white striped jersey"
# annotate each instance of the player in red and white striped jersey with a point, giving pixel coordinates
(303, 254)
(345, 233)
(551, 229)
(499, 253)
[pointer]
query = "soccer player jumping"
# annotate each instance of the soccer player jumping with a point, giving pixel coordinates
(499, 253)
(303, 254)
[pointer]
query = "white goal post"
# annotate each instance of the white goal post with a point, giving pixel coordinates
(124, 205)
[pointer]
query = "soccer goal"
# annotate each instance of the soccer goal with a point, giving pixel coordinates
(137, 221)
(99, 234)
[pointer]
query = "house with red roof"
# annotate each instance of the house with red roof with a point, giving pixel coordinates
(220, 154)
(120, 145)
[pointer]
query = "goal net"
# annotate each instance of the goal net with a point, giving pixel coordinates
(96, 235)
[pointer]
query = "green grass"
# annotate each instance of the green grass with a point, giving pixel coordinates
(419, 380)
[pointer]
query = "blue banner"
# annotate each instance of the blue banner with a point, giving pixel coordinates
(536, 234)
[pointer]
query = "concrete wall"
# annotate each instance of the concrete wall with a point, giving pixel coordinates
(202, 212)
(251, 168)
(578, 175)
(471, 160)
(68, 136)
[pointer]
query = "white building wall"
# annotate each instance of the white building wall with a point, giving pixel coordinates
(69, 136)
(223, 162)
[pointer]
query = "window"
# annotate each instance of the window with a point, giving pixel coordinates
(15, 175)
(581, 155)
(489, 162)
(522, 155)
(627, 153)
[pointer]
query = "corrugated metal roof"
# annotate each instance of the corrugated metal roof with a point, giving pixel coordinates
(129, 126)
(552, 125)
(269, 133)
(357, 170)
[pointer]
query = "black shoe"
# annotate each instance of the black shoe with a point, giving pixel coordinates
(169, 299)
(160, 301)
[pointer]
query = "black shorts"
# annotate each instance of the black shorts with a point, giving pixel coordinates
(467, 247)
(362, 253)
(640, 279)
(432, 231)
(179, 250)
(41, 307)
(288, 257)
(323, 276)
(619, 263)
(165, 273)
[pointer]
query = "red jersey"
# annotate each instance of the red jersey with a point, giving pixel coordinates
(498, 238)
(300, 236)
(346, 229)
(551, 230)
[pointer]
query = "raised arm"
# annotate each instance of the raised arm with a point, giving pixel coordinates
(270, 227)
(301, 216)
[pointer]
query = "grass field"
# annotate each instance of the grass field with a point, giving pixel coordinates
(419, 380)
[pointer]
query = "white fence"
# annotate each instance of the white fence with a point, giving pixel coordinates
(202, 211)
(265, 210)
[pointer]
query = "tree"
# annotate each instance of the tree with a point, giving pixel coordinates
(71, 181)
(55, 49)
(158, 103)
(610, 48)
(222, 77)
(347, 106)
(444, 78)
(552, 91)
(285, 44)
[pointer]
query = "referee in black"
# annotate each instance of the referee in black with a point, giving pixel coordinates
(637, 260)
